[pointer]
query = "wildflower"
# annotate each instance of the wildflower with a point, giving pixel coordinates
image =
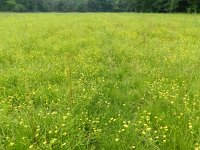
(45, 142)
(190, 125)
(148, 129)
(63, 144)
(53, 141)
(11, 144)
(50, 131)
(125, 125)
(133, 147)
(143, 132)
(64, 117)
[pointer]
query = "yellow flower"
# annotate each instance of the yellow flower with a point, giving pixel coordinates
(11, 144)
(125, 125)
(116, 139)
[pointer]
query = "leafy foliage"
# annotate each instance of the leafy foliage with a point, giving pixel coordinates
(101, 5)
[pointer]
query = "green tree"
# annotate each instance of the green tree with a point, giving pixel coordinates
(93, 5)
(105, 5)
(194, 6)
(61, 6)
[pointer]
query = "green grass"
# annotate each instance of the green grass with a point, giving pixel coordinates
(99, 81)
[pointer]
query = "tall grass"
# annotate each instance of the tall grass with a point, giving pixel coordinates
(99, 81)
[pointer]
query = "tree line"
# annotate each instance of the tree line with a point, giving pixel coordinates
(163, 6)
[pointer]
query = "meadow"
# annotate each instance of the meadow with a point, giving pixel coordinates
(99, 81)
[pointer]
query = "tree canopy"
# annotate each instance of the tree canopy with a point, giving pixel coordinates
(100, 5)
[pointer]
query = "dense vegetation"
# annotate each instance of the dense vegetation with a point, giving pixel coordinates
(99, 81)
(100, 5)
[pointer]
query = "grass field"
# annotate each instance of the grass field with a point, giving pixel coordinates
(99, 81)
